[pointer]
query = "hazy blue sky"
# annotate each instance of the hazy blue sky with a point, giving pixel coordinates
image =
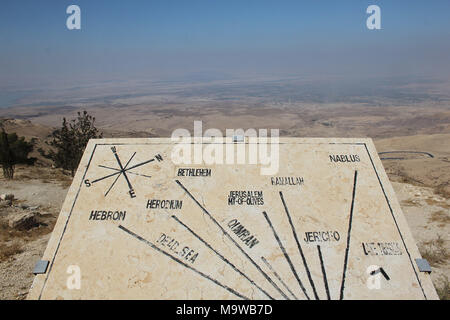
(127, 39)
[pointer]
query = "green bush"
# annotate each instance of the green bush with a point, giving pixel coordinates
(70, 141)
(13, 150)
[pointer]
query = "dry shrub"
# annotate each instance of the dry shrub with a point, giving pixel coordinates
(44, 174)
(410, 203)
(10, 234)
(440, 216)
(443, 290)
(9, 250)
(443, 190)
(433, 202)
(435, 251)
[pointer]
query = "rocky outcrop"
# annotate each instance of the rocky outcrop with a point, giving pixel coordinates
(24, 220)
(7, 197)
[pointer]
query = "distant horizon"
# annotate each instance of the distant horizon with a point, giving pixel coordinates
(220, 88)
(143, 41)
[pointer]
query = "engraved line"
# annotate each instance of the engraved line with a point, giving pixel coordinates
(67, 222)
(140, 164)
(108, 176)
(234, 242)
(396, 224)
(222, 257)
(286, 256)
(123, 170)
(117, 178)
(348, 236)
(278, 277)
(299, 246)
(182, 263)
(325, 281)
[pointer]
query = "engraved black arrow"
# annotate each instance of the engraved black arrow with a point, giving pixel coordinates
(130, 172)
(122, 169)
(380, 270)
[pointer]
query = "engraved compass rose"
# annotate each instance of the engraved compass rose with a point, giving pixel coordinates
(122, 170)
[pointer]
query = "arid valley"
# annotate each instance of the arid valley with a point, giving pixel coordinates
(410, 127)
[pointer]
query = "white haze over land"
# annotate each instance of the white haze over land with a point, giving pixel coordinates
(136, 49)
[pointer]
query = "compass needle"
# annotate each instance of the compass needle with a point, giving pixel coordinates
(140, 164)
(105, 177)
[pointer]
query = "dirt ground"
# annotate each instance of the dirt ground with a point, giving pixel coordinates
(428, 216)
(40, 191)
